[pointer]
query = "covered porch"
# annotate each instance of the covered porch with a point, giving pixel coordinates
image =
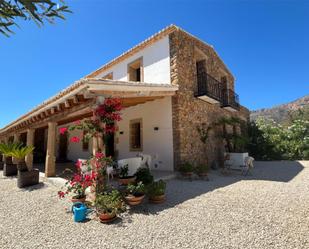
(150, 104)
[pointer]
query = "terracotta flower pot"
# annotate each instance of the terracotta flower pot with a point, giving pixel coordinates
(107, 217)
(126, 181)
(78, 200)
(157, 199)
(187, 174)
(133, 200)
(202, 174)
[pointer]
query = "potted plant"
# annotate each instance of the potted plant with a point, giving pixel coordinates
(108, 205)
(77, 186)
(124, 178)
(143, 175)
(135, 193)
(156, 191)
(186, 169)
(201, 170)
(9, 169)
(26, 176)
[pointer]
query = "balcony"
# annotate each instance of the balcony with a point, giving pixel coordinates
(211, 90)
(230, 100)
(208, 89)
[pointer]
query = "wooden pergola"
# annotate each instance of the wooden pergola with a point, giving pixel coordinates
(77, 102)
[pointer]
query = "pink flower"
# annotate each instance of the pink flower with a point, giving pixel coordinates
(75, 139)
(63, 130)
(78, 164)
(61, 194)
(99, 155)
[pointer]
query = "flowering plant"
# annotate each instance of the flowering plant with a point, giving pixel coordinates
(108, 113)
(78, 183)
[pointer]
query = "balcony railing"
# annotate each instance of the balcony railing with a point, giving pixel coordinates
(209, 86)
(211, 90)
(230, 99)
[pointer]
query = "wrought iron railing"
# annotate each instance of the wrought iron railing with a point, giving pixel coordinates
(230, 99)
(209, 86)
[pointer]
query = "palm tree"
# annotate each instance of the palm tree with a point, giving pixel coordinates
(20, 153)
(9, 169)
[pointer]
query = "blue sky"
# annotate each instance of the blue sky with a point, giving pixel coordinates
(264, 43)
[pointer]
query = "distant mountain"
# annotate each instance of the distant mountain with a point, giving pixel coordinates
(281, 113)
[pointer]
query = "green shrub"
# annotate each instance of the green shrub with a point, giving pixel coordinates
(143, 175)
(186, 167)
(201, 169)
(156, 188)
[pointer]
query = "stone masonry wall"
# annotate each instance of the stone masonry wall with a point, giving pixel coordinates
(189, 111)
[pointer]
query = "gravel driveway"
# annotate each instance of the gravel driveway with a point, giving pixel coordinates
(269, 209)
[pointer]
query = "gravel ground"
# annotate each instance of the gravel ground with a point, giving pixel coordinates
(269, 209)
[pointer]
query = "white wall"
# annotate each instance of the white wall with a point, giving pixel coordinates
(159, 143)
(75, 150)
(156, 63)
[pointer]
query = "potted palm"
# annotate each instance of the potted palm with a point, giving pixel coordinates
(9, 169)
(26, 176)
(108, 205)
(135, 193)
(156, 191)
(124, 178)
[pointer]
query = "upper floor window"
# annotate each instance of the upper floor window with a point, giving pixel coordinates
(135, 70)
(108, 76)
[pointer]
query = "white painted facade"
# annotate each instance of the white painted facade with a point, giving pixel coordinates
(156, 64)
(158, 144)
(158, 113)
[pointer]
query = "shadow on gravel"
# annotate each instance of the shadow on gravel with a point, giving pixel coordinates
(180, 190)
(41, 185)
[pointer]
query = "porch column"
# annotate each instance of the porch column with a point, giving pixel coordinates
(97, 144)
(16, 140)
(50, 166)
(30, 142)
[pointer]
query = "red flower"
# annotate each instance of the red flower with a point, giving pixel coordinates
(75, 139)
(63, 130)
(61, 194)
(78, 164)
(99, 155)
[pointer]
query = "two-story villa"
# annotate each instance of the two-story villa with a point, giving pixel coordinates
(169, 84)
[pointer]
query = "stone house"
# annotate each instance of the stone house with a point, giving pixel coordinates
(169, 84)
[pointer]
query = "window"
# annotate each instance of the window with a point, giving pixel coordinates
(135, 70)
(108, 76)
(136, 135)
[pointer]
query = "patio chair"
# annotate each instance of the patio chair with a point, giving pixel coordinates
(228, 163)
(246, 169)
(146, 160)
(133, 163)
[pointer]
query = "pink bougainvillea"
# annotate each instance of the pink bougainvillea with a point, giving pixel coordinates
(109, 113)
(63, 130)
(75, 139)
